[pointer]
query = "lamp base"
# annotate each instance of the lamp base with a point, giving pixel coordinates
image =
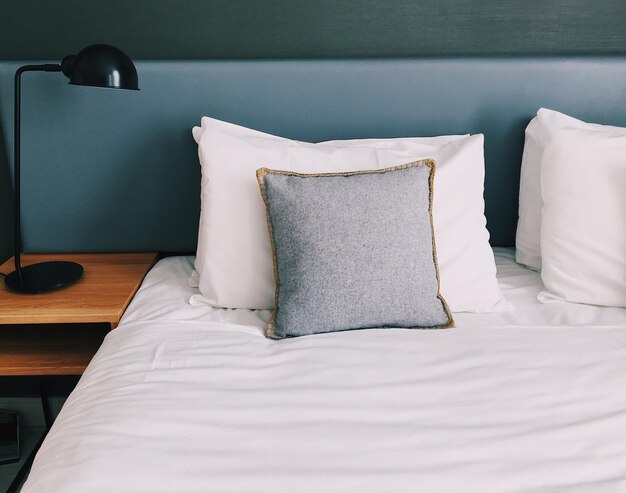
(44, 276)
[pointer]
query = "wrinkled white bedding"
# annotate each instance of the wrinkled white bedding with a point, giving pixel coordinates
(189, 399)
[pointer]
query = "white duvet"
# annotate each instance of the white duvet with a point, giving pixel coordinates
(184, 399)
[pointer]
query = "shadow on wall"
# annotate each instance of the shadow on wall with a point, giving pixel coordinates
(6, 204)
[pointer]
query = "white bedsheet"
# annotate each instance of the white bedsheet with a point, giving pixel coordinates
(184, 398)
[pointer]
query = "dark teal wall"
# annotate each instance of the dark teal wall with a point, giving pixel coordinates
(312, 28)
(187, 29)
(6, 204)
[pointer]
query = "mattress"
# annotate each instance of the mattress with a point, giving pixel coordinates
(184, 398)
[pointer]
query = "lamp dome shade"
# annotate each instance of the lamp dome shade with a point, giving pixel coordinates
(101, 66)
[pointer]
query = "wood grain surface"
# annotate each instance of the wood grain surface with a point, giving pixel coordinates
(108, 284)
(38, 350)
(58, 332)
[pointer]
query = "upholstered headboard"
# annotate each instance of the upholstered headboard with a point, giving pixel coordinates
(111, 170)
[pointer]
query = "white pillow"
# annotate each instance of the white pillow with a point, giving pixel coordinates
(234, 259)
(583, 219)
(527, 241)
(527, 248)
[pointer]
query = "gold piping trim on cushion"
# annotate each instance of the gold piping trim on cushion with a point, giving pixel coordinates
(431, 189)
(269, 326)
(430, 163)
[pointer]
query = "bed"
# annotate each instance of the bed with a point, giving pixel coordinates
(188, 398)
(192, 398)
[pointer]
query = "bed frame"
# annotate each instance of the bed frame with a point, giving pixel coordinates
(117, 171)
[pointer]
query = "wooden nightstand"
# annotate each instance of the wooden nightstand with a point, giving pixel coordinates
(58, 332)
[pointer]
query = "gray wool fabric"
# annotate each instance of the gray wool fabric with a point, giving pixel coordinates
(353, 250)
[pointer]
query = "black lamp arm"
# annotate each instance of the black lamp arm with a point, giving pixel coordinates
(47, 67)
(97, 65)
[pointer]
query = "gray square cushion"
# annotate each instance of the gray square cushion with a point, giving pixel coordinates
(353, 250)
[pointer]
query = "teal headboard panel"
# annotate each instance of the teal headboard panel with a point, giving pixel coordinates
(111, 170)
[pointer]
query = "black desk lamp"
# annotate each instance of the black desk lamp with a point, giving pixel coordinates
(97, 66)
